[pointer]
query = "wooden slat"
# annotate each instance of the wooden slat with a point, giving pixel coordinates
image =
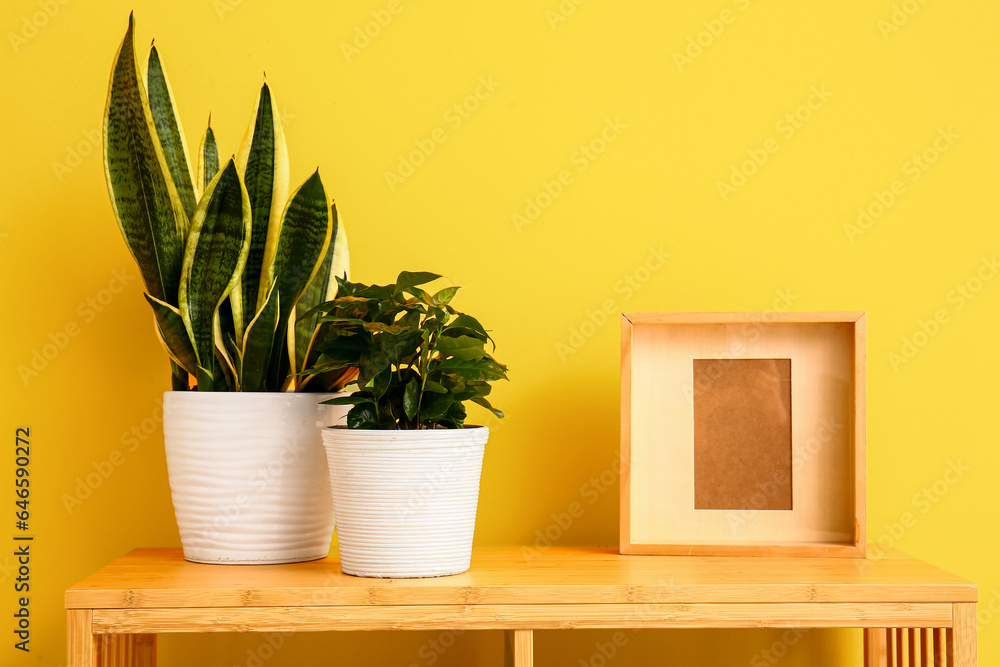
(158, 578)
(875, 647)
(525, 617)
(82, 647)
(940, 660)
(134, 650)
(519, 648)
(900, 644)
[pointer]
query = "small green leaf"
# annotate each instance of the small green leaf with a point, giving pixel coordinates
(445, 296)
(435, 406)
(484, 369)
(348, 400)
(371, 363)
(479, 400)
(411, 398)
(363, 416)
(381, 383)
(385, 328)
(408, 279)
(432, 386)
(466, 324)
(461, 347)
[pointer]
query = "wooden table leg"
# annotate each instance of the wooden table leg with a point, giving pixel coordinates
(81, 643)
(518, 648)
(875, 647)
(85, 649)
(962, 644)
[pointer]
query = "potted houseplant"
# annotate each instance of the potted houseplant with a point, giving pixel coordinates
(404, 472)
(229, 260)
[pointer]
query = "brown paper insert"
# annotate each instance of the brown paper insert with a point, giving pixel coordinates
(743, 434)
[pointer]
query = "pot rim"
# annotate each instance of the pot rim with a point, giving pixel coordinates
(401, 431)
(257, 395)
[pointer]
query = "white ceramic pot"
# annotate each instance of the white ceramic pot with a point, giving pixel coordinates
(405, 501)
(248, 476)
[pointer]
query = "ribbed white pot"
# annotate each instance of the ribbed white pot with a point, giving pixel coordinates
(405, 501)
(248, 476)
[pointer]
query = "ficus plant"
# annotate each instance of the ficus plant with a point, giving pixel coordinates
(419, 360)
(228, 257)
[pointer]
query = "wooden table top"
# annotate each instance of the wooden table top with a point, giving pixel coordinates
(161, 578)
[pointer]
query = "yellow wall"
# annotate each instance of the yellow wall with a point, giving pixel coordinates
(892, 77)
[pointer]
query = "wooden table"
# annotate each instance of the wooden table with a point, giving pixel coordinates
(912, 612)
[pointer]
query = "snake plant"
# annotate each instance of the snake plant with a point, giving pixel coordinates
(228, 257)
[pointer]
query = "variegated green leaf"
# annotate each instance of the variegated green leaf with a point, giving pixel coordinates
(216, 252)
(258, 342)
(306, 229)
(146, 205)
(226, 362)
(236, 356)
(321, 288)
(173, 334)
(340, 268)
(170, 132)
(263, 162)
(208, 160)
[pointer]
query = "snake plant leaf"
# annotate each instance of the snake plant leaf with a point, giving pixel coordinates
(216, 252)
(146, 204)
(302, 246)
(263, 161)
(321, 288)
(170, 132)
(340, 269)
(236, 357)
(208, 160)
(173, 334)
(258, 342)
(222, 353)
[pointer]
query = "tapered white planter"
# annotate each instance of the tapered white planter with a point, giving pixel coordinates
(405, 501)
(248, 475)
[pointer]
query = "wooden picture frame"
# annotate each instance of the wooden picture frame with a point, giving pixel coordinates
(821, 441)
